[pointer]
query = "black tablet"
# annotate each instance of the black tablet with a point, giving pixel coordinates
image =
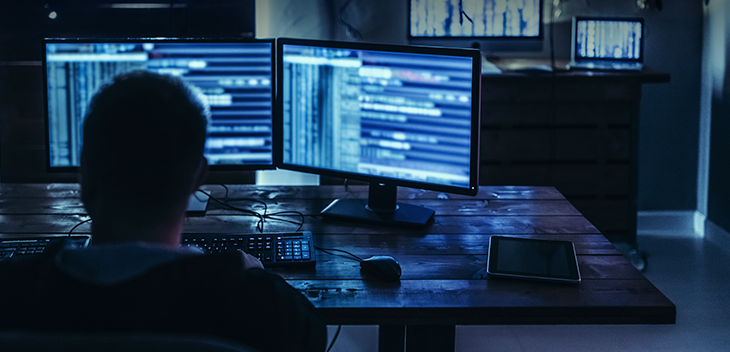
(533, 259)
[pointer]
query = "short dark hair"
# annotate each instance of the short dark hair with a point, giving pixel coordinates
(143, 138)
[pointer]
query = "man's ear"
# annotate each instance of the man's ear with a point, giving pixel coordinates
(89, 189)
(201, 175)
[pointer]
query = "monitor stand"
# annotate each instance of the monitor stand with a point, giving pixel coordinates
(198, 204)
(381, 207)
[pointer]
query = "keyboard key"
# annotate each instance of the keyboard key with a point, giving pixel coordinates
(286, 248)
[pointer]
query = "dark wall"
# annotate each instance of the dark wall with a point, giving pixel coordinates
(669, 125)
(24, 23)
(718, 198)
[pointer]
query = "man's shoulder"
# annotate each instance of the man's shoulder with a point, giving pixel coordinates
(231, 260)
(220, 273)
(209, 294)
(217, 265)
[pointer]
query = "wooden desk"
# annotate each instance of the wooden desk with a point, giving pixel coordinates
(441, 285)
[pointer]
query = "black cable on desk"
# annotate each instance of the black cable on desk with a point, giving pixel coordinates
(327, 250)
(332, 343)
(262, 217)
(77, 225)
(259, 224)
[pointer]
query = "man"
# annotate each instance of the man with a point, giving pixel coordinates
(142, 158)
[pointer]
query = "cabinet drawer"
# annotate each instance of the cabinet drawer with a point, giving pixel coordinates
(597, 145)
(570, 179)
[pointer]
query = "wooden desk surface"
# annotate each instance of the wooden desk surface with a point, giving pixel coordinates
(442, 264)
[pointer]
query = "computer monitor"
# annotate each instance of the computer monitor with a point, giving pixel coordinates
(236, 76)
(390, 115)
(607, 42)
(493, 26)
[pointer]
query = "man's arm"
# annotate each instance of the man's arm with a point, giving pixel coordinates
(296, 324)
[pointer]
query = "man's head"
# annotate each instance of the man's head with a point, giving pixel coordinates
(143, 141)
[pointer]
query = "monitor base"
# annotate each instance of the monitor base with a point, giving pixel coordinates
(407, 215)
(197, 205)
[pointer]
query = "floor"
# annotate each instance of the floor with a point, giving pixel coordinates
(692, 271)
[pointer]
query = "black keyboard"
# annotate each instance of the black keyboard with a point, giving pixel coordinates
(11, 247)
(283, 249)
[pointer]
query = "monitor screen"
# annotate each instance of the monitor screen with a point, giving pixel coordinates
(386, 114)
(491, 25)
(607, 38)
(236, 77)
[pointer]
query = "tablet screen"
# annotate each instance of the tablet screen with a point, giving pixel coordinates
(532, 259)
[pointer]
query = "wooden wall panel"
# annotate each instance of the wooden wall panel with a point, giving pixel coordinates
(581, 180)
(22, 131)
(574, 131)
(567, 145)
(570, 113)
(22, 140)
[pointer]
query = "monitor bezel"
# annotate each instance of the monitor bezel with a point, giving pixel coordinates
(212, 168)
(475, 55)
(491, 45)
(574, 33)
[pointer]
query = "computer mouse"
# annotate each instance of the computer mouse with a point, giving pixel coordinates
(383, 267)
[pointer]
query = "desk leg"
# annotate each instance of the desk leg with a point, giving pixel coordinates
(426, 338)
(434, 338)
(391, 338)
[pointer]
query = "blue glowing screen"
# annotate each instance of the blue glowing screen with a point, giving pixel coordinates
(475, 18)
(403, 116)
(235, 77)
(608, 39)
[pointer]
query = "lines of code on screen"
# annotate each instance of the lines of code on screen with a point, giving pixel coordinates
(234, 77)
(475, 18)
(398, 115)
(603, 39)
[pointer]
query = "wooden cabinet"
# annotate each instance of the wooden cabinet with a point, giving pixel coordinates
(574, 130)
